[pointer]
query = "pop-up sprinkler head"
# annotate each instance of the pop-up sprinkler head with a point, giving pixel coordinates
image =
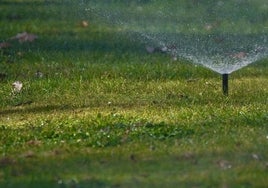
(225, 84)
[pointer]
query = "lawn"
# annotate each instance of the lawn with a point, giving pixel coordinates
(97, 110)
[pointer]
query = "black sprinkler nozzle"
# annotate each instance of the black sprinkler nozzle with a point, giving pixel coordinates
(225, 84)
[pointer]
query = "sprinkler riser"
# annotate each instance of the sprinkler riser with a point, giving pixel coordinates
(225, 84)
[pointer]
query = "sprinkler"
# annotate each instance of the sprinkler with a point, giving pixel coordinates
(225, 83)
(223, 51)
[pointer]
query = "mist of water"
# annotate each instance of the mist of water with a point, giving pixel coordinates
(221, 35)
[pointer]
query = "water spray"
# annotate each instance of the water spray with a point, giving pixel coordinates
(214, 45)
(225, 83)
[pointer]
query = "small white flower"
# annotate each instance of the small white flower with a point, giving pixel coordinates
(17, 86)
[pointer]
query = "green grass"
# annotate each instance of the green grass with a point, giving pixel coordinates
(107, 114)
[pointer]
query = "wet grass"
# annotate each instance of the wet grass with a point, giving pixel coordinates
(105, 113)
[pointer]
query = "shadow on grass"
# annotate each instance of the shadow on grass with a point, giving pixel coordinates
(41, 10)
(130, 168)
(38, 109)
(109, 43)
(75, 46)
(93, 183)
